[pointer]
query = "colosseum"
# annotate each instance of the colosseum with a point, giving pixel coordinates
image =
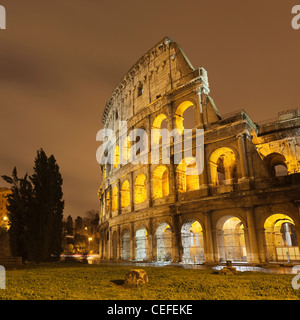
(244, 205)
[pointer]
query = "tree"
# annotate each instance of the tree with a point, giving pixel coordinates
(78, 224)
(36, 211)
(47, 184)
(20, 203)
(69, 226)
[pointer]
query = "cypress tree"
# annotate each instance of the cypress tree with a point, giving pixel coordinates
(47, 184)
(36, 211)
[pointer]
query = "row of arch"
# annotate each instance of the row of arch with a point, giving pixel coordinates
(281, 243)
(223, 167)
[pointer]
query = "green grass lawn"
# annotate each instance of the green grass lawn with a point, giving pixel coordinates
(75, 281)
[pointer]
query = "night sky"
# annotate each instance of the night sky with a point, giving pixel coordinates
(60, 61)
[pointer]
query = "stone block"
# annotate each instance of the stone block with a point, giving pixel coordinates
(136, 277)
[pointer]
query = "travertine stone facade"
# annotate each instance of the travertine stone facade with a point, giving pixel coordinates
(244, 206)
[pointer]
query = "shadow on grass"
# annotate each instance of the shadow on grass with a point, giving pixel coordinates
(118, 282)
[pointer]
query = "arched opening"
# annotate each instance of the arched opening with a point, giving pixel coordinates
(192, 242)
(185, 116)
(157, 126)
(164, 242)
(115, 199)
(276, 164)
(140, 191)
(125, 194)
(126, 245)
(223, 167)
(281, 238)
(231, 239)
(160, 182)
(116, 157)
(188, 175)
(115, 246)
(141, 244)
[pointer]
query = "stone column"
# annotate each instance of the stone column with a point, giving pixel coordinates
(215, 244)
(110, 201)
(109, 244)
(209, 257)
(199, 117)
(253, 254)
(243, 157)
(119, 254)
(150, 240)
(261, 242)
(176, 239)
(132, 241)
(131, 192)
(119, 197)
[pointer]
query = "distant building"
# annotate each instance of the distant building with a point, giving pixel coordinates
(244, 206)
(4, 192)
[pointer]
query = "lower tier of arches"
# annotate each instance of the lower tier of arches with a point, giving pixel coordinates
(238, 235)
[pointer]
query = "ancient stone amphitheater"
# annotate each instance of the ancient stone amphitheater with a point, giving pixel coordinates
(244, 206)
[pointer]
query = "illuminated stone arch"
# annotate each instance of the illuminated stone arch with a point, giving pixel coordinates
(115, 198)
(125, 244)
(141, 241)
(163, 236)
(188, 175)
(160, 182)
(223, 166)
(231, 239)
(280, 238)
(157, 126)
(125, 194)
(276, 164)
(192, 242)
(179, 114)
(140, 190)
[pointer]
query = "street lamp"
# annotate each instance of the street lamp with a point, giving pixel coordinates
(90, 239)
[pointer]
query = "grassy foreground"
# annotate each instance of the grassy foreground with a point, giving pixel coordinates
(76, 281)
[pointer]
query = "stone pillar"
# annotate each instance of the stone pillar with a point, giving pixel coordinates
(215, 244)
(131, 192)
(150, 240)
(132, 241)
(252, 256)
(261, 243)
(209, 257)
(176, 240)
(243, 156)
(199, 117)
(119, 252)
(119, 197)
(109, 244)
(110, 201)
(149, 186)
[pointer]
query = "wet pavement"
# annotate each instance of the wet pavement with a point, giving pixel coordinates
(279, 268)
